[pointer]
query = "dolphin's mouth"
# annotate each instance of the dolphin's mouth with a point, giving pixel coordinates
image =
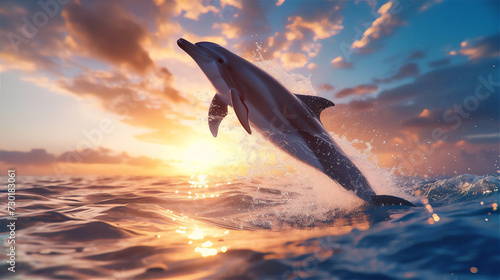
(197, 53)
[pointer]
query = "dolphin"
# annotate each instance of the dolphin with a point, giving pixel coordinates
(290, 121)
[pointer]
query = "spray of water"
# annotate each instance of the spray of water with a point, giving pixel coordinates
(308, 191)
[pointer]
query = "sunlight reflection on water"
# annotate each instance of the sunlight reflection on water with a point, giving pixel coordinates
(139, 227)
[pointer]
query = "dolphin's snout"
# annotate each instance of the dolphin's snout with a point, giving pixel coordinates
(183, 43)
(180, 42)
(198, 54)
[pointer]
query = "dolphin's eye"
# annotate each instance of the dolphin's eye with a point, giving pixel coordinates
(220, 60)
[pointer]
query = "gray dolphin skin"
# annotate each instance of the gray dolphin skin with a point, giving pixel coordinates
(290, 121)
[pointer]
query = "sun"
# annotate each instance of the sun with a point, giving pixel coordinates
(202, 151)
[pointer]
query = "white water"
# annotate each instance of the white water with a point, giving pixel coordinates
(318, 193)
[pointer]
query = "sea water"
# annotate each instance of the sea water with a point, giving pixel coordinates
(213, 227)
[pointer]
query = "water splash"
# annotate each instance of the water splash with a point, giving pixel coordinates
(317, 190)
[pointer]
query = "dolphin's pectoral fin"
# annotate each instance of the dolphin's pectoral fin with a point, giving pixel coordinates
(216, 113)
(315, 104)
(386, 200)
(241, 109)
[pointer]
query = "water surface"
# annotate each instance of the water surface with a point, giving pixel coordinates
(250, 227)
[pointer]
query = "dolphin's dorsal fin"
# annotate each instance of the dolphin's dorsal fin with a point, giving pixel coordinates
(315, 104)
(216, 113)
(241, 109)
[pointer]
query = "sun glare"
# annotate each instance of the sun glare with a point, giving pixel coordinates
(209, 156)
(203, 152)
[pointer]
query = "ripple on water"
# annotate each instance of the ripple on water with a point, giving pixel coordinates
(263, 228)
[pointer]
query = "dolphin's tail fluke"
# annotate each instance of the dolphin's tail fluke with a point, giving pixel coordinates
(387, 200)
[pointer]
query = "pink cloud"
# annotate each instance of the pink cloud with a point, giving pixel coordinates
(339, 62)
(481, 47)
(293, 60)
(383, 25)
(358, 90)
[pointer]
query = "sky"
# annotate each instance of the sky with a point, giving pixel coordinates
(100, 87)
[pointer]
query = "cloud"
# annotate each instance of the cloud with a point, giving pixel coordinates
(440, 62)
(83, 85)
(358, 90)
(228, 30)
(159, 83)
(442, 101)
(405, 71)
(320, 28)
(312, 66)
(35, 156)
(251, 20)
(361, 104)
(425, 113)
(339, 62)
(152, 103)
(114, 86)
(382, 26)
(442, 86)
(482, 47)
(192, 9)
(304, 32)
(27, 47)
(165, 126)
(325, 87)
(107, 30)
(293, 60)
(143, 161)
(87, 156)
(428, 4)
(416, 55)
(392, 15)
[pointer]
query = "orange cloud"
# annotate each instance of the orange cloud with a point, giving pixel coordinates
(229, 30)
(108, 31)
(428, 4)
(460, 143)
(152, 104)
(358, 90)
(339, 62)
(325, 87)
(382, 25)
(312, 66)
(481, 47)
(235, 3)
(397, 141)
(425, 113)
(438, 144)
(321, 29)
(192, 9)
(293, 60)
(11, 61)
(303, 34)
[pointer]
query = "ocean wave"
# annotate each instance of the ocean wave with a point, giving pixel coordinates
(269, 228)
